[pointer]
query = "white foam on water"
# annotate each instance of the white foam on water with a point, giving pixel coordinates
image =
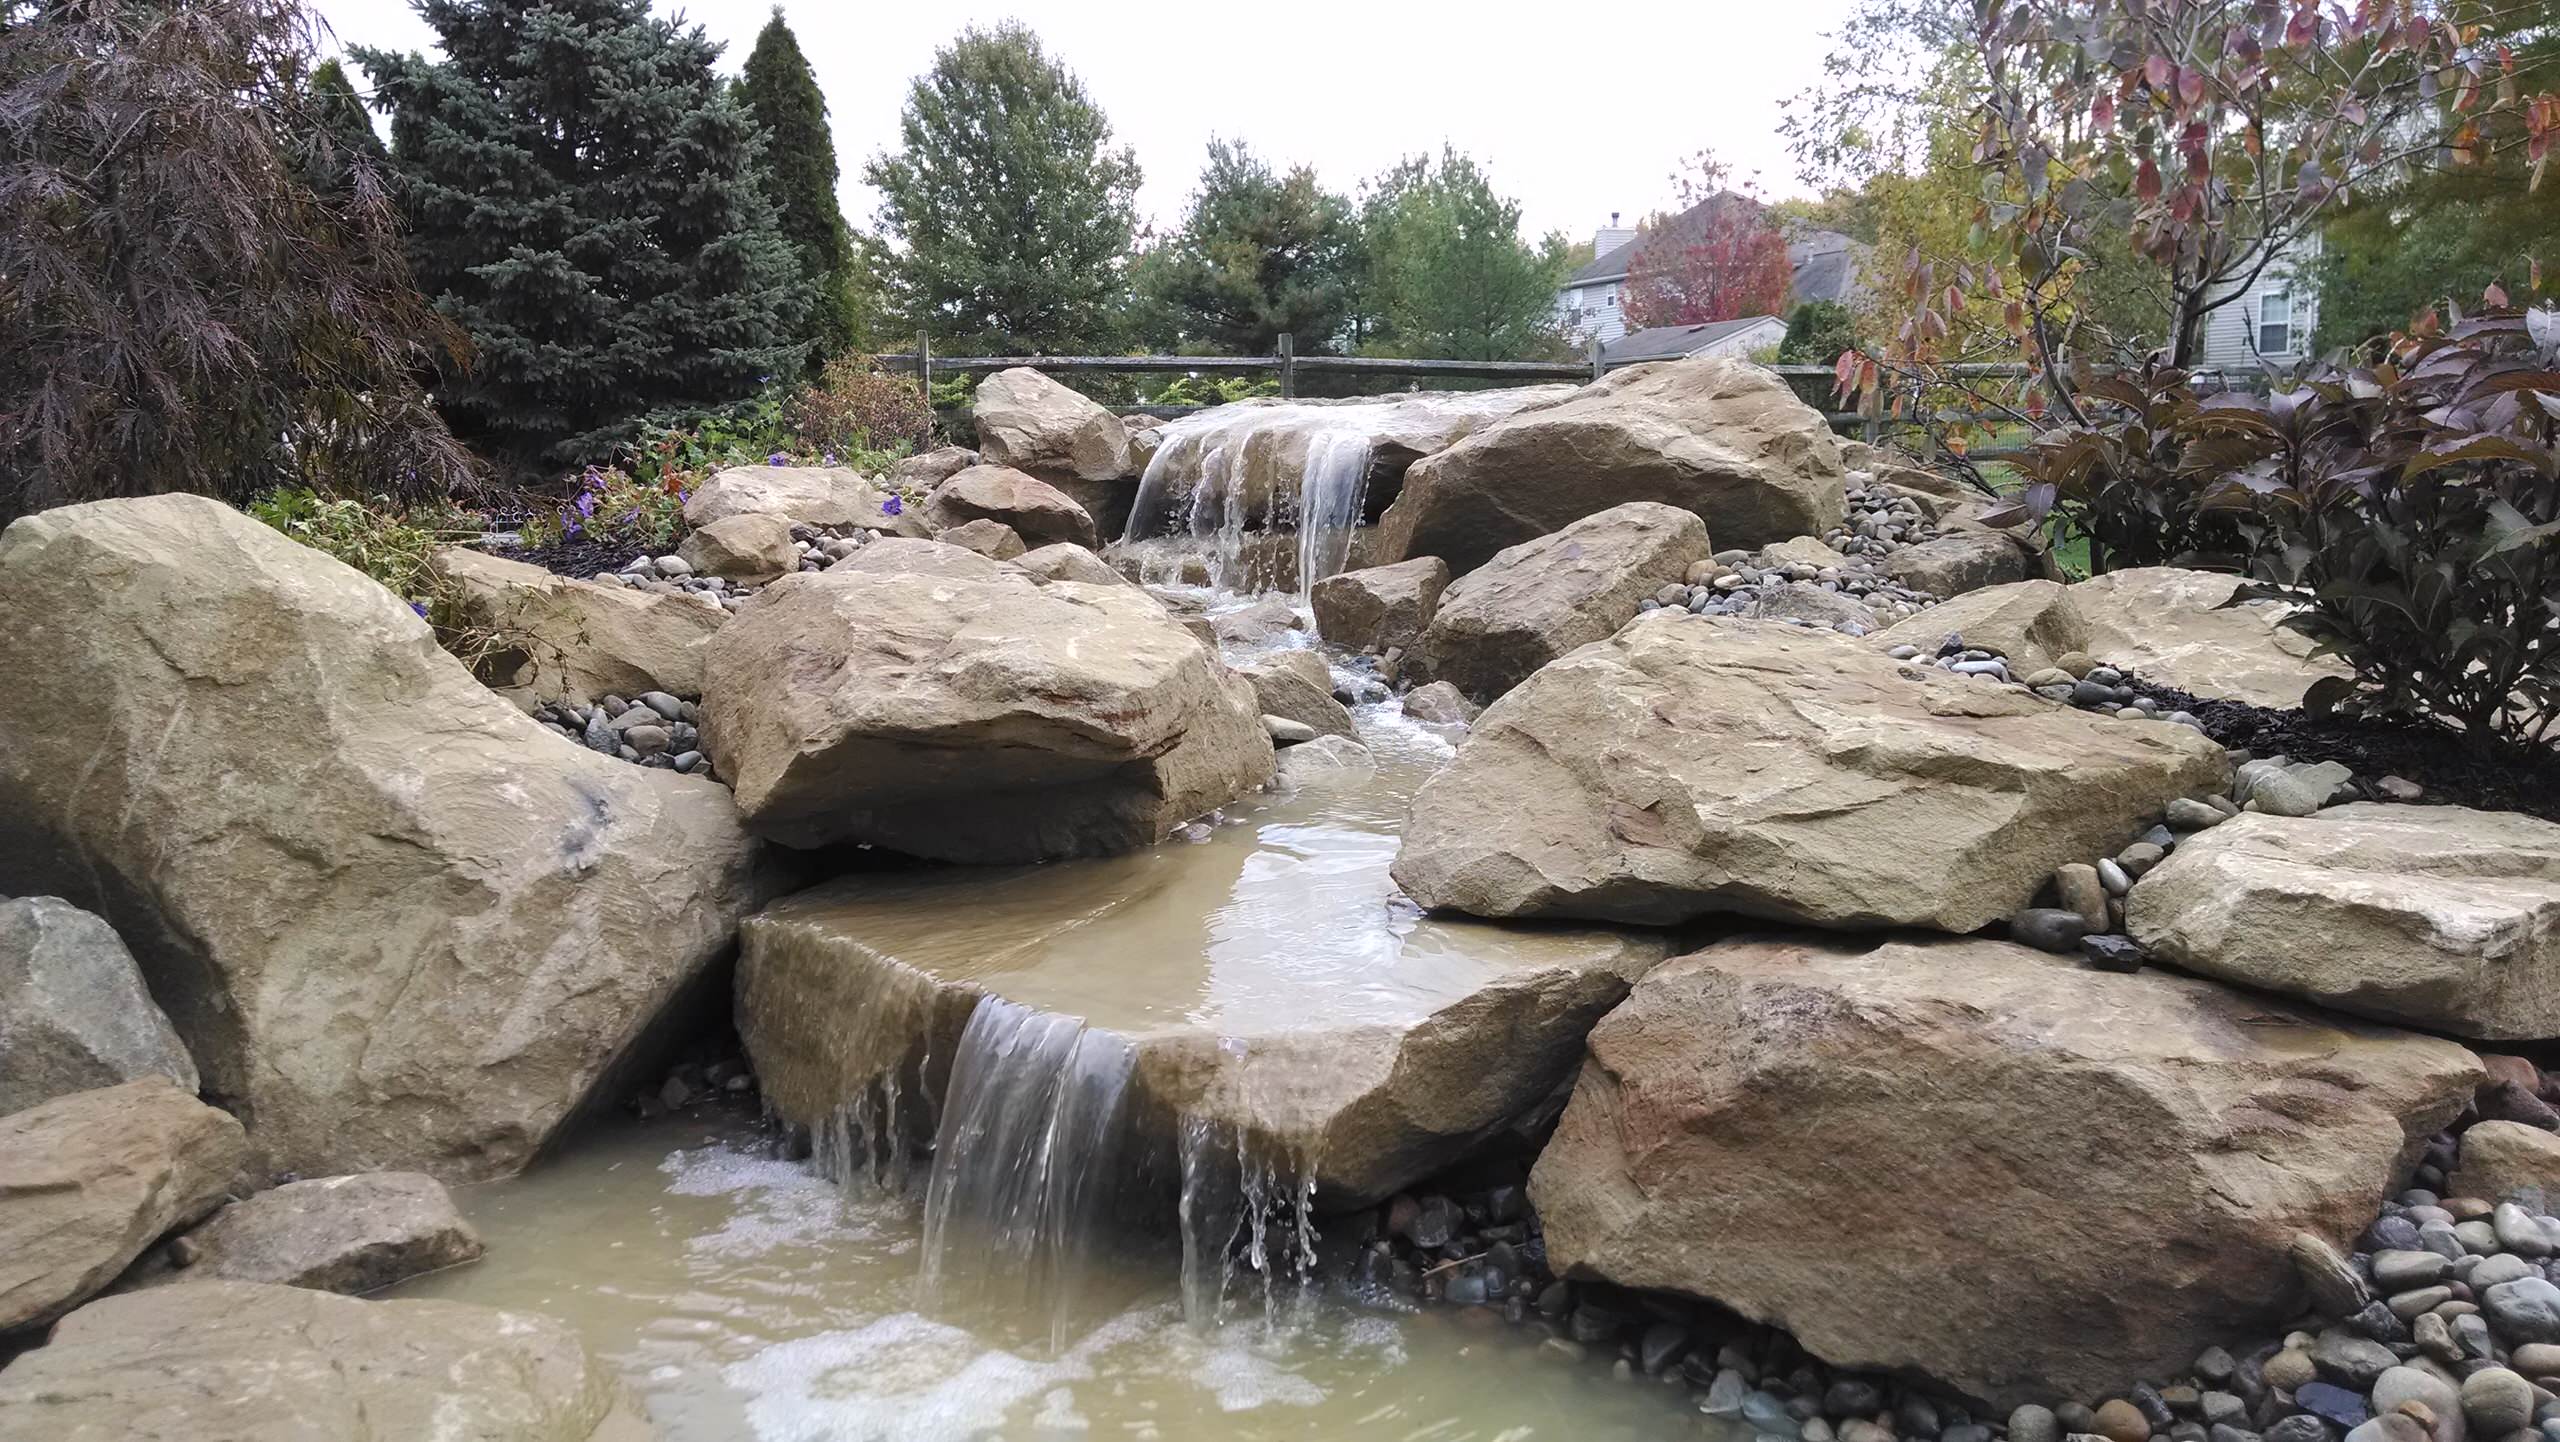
(899, 1379)
(778, 1204)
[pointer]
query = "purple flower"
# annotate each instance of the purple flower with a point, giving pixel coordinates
(586, 503)
(420, 607)
(893, 507)
(827, 459)
(777, 459)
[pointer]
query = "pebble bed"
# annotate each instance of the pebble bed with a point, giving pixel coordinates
(2086, 914)
(2443, 1324)
(1854, 596)
(819, 548)
(655, 730)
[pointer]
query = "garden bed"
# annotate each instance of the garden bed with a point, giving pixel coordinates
(2453, 769)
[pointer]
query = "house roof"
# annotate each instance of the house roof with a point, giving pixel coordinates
(1826, 262)
(1670, 342)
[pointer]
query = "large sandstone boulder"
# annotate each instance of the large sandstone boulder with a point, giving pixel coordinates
(993, 719)
(2170, 626)
(1061, 561)
(930, 469)
(337, 1234)
(398, 923)
(750, 549)
(2500, 1159)
(908, 556)
(1035, 510)
(2032, 623)
(74, 1014)
(1297, 686)
(992, 539)
(1230, 987)
(565, 639)
(1968, 1159)
(1961, 560)
(803, 495)
(89, 1180)
(1032, 423)
(1535, 601)
(1720, 437)
(242, 1362)
(2438, 916)
(1690, 765)
(1380, 606)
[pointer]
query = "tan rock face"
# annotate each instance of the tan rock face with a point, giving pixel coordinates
(2166, 625)
(1063, 562)
(751, 549)
(1540, 599)
(905, 555)
(1721, 438)
(1297, 686)
(1032, 423)
(89, 1180)
(2500, 1159)
(992, 539)
(1380, 606)
(1960, 561)
(252, 1363)
(2437, 916)
(397, 922)
(1971, 1160)
(336, 1234)
(1035, 510)
(579, 640)
(2033, 623)
(74, 1014)
(926, 471)
(1689, 765)
(995, 719)
(808, 495)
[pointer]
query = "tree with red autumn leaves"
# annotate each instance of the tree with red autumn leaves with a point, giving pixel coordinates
(1719, 257)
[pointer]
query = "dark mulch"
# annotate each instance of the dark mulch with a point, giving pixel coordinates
(579, 558)
(2455, 769)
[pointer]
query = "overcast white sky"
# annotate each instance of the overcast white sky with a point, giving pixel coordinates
(1575, 112)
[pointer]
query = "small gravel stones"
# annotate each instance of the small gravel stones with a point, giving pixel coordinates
(2113, 951)
(2527, 1310)
(2350, 1360)
(2401, 1271)
(656, 730)
(2496, 1401)
(2048, 928)
(2118, 1420)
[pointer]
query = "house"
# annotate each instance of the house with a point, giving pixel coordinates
(2269, 321)
(1826, 266)
(1674, 342)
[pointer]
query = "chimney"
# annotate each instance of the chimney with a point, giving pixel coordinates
(1609, 237)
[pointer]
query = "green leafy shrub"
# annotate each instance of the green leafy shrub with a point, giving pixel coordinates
(613, 506)
(1817, 332)
(389, 544)
(856, 409)
(1212, 390)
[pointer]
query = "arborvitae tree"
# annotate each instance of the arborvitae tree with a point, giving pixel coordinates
(346, 128)
(1005, 214)
(800, 165)
(582, 197)
(182, 305)
(1259, 254)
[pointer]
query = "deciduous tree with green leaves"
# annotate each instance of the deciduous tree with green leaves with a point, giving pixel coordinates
(1260, 253)
(1006, 213)
(582, 196)
(800, 163)
(1451, 274)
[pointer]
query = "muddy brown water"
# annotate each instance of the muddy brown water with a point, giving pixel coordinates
(750, 1298)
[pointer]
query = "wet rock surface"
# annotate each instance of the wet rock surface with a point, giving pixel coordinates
(335, 1234)
(241, 1360)
(1533, 602)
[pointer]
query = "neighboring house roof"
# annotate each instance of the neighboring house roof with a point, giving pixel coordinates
(1670, 342)
(1826, 262)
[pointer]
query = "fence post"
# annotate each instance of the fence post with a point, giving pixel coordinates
(1596, 370)
(1288, 365)
(924, 364)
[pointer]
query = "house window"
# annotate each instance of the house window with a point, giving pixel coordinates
(2275, 324)
(1613, 295)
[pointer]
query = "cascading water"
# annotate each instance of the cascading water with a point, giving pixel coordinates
(1218, 477)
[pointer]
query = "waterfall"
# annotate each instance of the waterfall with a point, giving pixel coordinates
(1220, 477)
(1027, 1151)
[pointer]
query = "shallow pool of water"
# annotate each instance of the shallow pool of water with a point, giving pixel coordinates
(748, 1300)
